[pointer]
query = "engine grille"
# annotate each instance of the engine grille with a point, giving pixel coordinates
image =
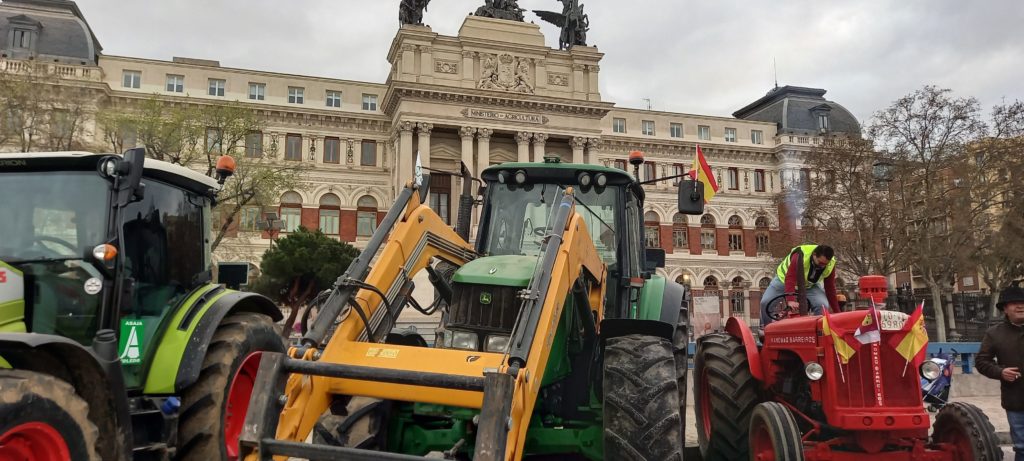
(898, 390)
(498, 315)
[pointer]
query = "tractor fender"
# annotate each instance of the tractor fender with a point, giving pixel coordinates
(613, 328)
(661, 300)
(183, 343)
(79, 366)
(233, 302)
(741, 331)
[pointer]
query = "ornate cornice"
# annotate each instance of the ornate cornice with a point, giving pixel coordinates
(493, 99)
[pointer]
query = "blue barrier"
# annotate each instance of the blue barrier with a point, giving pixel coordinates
(966, 352)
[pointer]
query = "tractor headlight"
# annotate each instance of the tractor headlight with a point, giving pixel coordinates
(600, 179)
(584, 179)
(503, 177)
(520, 176)
(930, 370)
(496, 343)
(814, 371)
(465, 340)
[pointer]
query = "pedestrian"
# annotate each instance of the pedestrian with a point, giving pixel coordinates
(818, 277)
(1001, 357)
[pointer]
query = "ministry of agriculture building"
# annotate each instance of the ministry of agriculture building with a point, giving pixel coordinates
(492, 93)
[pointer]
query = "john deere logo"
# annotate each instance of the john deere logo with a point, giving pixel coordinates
(485, 298)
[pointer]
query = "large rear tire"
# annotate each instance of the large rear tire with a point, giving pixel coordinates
(210, 420)
(724, 397)
(774, 435)
(641, 401)
(43, 419)
(967, 431)
(680, 345)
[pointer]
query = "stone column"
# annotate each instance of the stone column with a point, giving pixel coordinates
(313, 149)
(426, 56)
(523, 142)
(423, 133)
(593, 148)
(483, 140)
(350, 153)
(541, 72)
(593, 93)
(468, 77)
(578, 144)
(579, 81)
(466, 133)
(382, 147)
(539, 140)
(405, 159)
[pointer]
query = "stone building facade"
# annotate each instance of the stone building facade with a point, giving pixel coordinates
(492, 93)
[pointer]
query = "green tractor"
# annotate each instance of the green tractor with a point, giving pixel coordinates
(114, 342)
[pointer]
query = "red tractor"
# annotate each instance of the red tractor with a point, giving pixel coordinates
(789, 398)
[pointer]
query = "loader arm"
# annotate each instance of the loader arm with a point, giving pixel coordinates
(353, 363)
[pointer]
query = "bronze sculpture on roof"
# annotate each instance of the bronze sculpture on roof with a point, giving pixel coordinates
(501, 9)
(573, 22)
(411, 12)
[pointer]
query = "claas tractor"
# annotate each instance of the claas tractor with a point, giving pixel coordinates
(557, 339)
(114, 343)
(799, 394)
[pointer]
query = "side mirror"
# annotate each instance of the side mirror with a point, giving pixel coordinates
(129, 180)
(653, 259)
(691, 197)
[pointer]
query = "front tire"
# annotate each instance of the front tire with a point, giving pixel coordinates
(641, 401)
(680, 350)
(967, 431)
(363, 426)
(43, 419)
(774, 435)
(724, 397)
(210, 421)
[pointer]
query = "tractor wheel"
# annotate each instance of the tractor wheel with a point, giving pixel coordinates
(641, 401)
(213, 408)
(967, 431)
(724, 397)
(680, 343)
(43, 419)
(774, 435)
(364, 426)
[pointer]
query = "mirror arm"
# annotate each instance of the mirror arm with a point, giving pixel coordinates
(666, 178)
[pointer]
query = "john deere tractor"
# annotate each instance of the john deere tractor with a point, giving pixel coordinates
(557, 339)
(114, 343)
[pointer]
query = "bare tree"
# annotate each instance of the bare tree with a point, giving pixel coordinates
(926, 135)
(196, 136)
(850, 210)
(40, 111)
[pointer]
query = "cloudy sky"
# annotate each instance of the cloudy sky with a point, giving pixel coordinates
(700, 57)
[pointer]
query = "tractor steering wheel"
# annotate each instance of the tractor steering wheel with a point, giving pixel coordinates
(539, 231)
(778, 308)
(45, 238)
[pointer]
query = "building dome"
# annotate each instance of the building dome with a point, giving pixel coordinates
(801, 111)
(47, 31)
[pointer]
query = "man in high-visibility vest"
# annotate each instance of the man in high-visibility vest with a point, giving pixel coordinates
(818, 277)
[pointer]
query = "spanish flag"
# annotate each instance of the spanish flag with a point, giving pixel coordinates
(912, 340)
(702, 172)
(843, 349)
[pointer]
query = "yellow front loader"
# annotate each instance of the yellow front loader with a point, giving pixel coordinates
(555, 338)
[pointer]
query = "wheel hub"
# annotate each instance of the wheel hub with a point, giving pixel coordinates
(237, 403)
(33, 441)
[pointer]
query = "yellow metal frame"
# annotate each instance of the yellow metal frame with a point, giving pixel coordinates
(417, 238)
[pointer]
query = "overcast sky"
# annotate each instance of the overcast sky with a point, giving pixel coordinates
(699, 57)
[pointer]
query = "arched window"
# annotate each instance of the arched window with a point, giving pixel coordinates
(652, 230)
(330, 214)
(710, 283)
(761, 234)
(679, 238)
(685, 280)
(735, 233)
(763, 284)
(707, 233)
(736, 298)
(291, 211)
(366, 216)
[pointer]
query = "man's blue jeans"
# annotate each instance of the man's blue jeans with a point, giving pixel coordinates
(1016, 419)
(815, 297)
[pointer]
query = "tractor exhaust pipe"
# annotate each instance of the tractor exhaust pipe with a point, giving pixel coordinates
(466, 202)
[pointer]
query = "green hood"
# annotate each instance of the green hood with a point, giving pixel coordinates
(506, 270)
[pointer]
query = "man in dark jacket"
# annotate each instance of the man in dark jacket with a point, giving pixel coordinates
(1001, 357)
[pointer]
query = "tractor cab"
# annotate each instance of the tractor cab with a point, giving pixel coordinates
(69, 218)
(517, 207)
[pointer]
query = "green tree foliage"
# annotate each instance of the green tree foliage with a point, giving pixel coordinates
(301, 265)
(196, 136)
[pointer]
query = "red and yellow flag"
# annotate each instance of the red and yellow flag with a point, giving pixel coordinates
(702, 172)
(912, 340)
(843, 349)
